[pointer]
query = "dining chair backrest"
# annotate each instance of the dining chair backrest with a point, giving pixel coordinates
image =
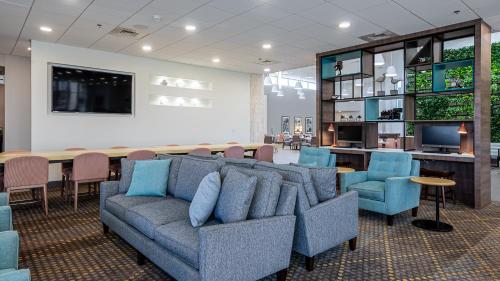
(314, 141)
(234, 152)
(204, 143)
(89, 166)
(74, 149)
(172, 144)
(200, 151)
(264, 153)
(232, 142)
(141, 155)
(26, 171)
(296, 138)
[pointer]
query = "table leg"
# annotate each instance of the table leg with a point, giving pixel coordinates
(436, 225)
(437, 206)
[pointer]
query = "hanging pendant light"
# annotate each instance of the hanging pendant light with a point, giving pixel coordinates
(391, 70)
(379, 60)
(280, 93)
(268, 81)
(275, 89)
(302, 96)
(298, 85)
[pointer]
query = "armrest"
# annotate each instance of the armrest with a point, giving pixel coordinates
(348, 179)
(9, 247)
(107, 189)
(5, 218)
(401, 194)
(247, 250)
(330, 223)
(3, 199)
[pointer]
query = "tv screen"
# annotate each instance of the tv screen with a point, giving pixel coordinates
(441, 136)
(86, 90)
(350, 133)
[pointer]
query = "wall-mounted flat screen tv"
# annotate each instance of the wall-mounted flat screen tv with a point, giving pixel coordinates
(352, 134)
(86, 90)
(440, 136)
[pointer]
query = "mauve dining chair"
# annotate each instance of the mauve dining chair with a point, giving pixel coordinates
(66, 171)
(203, 151)
(115, 167)
(141, 155)
(91, 168)
(264, 153)
(234, 152)
(6, 153)
(27, 173)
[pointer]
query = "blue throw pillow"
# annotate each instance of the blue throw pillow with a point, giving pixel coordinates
(149, 178)
(205, 198)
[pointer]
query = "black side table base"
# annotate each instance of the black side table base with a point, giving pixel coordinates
(431, 225)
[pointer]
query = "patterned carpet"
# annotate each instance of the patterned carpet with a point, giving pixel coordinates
(71, 246)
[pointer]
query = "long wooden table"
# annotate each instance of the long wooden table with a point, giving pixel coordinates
(60, 156)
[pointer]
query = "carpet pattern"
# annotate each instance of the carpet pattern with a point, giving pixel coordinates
(71, 246)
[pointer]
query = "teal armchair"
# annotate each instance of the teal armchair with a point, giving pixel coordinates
(386, 187)
(316, 157)
(9, 246)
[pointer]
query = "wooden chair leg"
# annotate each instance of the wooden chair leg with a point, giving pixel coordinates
(45, 200)
(141, 259)
(75, 202)
(414, 212)
(63, 182)
(443, 195)
(281, 275)
(352, 243)
(390, 220)
(310, 263)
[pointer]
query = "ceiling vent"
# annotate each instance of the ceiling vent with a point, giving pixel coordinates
(262, 61)
(124, 32)
(377, 36)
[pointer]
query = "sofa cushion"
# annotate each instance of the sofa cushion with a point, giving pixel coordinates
(191, 172)
(119, 204)
(291, 173)
(147, 217)
(204, 200)
(235, 197)
(181, 239)
(373, 190)
(325, 182)
(127, 168)
(267, 191)
(287, 199)
(149, 178)
(245, 162)
(384, 165)
(173, 171)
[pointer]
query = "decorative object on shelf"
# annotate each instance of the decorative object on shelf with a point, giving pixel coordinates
(342, 118)
(309, 125)
(180, 101)
(285, 124)
(395, 81)
(331, 129)
(391, 114)
(164, 82)
(297, 124)
(359, 118)
(381, 80)
(175, 82)
(338, 68)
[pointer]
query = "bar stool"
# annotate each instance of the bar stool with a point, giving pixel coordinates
(91, 168)
(201, 151)
(115, 166)
(264, 153)
(234, 152)
(444, 189)
(66, 171)
(141, 155)
(27, 173)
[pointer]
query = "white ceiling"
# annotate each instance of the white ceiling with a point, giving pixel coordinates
(232, 30)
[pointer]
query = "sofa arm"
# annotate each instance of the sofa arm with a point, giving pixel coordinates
(401, 194)
(348, 179)
(107, 189)
(247, 250)
(328, 224)
(5, 218)
(16, 275)
(9, 247)
(3, 199)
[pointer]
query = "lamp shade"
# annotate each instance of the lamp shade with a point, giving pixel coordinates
(331, 128)
(379, 60)
(462, 130)
(391, 71)
(275, 89)
(280, 93)
(268, 81)
(298, 85)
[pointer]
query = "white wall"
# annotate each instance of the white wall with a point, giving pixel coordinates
(228, 119)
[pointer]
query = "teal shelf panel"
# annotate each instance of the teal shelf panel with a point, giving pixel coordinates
(373, 113)
(453, 76)
(328, 64)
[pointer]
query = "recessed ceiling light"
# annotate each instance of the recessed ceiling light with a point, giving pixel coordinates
(190, 27)
(45, 29)
(266, 46)
(267, 69)
(216, 60)
(29, 49)
(344, 24)
(147, 48)
(156, 18)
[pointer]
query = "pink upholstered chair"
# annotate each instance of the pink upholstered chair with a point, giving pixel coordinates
(264, 153)
(115, 167)
(119, 147)
(27, 173)
(91, 168)
(66, 170)
(9, 152)
(200, 151)
(141, 155)
(234, 152)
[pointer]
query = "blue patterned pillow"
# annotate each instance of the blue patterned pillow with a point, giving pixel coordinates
(149, 178)
(204, 200)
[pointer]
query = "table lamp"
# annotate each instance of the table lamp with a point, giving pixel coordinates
(463, 132)
(331, 128)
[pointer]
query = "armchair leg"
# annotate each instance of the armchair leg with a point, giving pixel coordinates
(414, 212)
(281, 275)
(141, 259)
(390, 220)
(352, 243)
(310, 263)
(105, 229)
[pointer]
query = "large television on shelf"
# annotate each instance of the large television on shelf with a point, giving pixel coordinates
(351, 134)
(75, 89)
(440, 136)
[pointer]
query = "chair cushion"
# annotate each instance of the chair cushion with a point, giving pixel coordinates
(181, 239)
(235, 197)
(119, 204)
(204, 200)
(126, 174)
(267, 191)
(384, 165)
(191, 172)
(147, 217)
(149, 178)
(318, 157)
(373, 190)
(292, 173)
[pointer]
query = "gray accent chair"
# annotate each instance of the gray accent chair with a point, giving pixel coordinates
(159, 228)
(322, 225)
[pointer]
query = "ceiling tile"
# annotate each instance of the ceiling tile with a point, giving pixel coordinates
(267, 13)
(357, 5)
(236, 7)
(291, 22)
(439, 13)
(485, 8)
(12, 16)
(203, 17)
(112, 43)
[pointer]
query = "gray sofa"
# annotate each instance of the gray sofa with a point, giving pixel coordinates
(159, 228)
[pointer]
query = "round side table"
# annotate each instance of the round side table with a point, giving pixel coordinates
(438, 183)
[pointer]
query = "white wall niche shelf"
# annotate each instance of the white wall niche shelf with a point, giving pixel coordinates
(176, 101)
(183, 83)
